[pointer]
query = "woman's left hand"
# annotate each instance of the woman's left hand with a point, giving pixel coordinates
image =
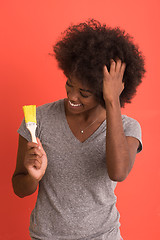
(112, 81)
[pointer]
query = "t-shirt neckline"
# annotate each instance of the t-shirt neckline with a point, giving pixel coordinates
(70, 134)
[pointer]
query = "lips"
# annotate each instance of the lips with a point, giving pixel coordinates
(74, 104)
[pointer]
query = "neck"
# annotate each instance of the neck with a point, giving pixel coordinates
(88, 116)
(93, 114)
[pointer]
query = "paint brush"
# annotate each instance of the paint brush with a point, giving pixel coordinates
(30, 119)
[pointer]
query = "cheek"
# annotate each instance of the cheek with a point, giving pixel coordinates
(89, 103)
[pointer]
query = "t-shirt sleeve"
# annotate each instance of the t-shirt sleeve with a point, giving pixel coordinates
(24, 132)
(132, 128)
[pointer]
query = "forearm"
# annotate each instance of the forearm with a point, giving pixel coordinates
(24, 185)
(117, 153)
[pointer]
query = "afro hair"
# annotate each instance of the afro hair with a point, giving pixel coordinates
(84, 49)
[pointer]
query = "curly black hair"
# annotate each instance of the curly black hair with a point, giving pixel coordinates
(85, 48)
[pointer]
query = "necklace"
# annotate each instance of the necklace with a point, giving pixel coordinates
(82, 131)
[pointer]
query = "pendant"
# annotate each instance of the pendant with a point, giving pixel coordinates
(82, 131)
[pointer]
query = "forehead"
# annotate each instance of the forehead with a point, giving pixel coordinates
(77, 83)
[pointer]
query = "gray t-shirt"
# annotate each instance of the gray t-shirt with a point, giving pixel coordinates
(76, 199)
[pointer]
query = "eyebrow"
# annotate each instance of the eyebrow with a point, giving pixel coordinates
(84, 90)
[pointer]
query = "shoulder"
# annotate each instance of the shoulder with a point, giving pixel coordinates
(130, 122)
(132, 128)
(49, 108)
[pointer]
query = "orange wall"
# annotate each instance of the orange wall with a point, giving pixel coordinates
(30, 76)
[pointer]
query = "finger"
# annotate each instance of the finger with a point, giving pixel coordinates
(40, 146)
(122, 86)
(37, 164)
(31, 145)
(36, 158)
(123, 67)
(112, 67)
(34, 163)
(105, 71)
(31, 163)
(35, 151)
(118, 65)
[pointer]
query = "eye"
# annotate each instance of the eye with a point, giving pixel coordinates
(85, 96)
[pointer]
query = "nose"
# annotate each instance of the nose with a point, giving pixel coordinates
(73, 95)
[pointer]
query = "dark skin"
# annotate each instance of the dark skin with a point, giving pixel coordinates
(82, 110)
(120, 150)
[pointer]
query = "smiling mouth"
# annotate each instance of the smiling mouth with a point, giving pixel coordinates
(74, 105)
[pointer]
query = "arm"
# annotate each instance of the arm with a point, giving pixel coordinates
(30, 167)
(120, 150)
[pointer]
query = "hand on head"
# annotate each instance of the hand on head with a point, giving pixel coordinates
(112, 81)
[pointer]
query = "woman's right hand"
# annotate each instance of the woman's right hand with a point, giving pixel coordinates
(35, 160)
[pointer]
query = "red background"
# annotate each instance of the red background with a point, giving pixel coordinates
(30, 76)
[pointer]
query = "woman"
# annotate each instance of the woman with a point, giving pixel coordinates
(85, 146)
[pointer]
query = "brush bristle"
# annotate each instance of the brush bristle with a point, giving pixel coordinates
(30, 113)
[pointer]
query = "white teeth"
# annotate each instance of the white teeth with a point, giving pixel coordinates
(74, 105)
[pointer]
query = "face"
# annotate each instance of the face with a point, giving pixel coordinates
(80, 98)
